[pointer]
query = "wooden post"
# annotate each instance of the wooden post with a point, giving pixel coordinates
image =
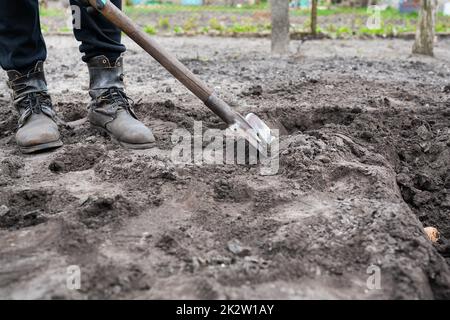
(425, 28)
(280, 26)
(314, 17)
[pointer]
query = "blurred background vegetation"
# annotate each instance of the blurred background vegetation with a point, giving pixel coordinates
(251, 18)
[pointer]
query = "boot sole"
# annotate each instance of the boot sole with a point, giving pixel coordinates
(41, 147)
(125, 145)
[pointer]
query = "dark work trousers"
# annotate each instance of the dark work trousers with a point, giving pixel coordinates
(22, 44)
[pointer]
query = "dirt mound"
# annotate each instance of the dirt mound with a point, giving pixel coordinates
(8, 121)
(108, 281)
(10, 169)
(30, 207)
(97, 212)
(231, 190)
(77, 158)
(25, 208)
(71, 111)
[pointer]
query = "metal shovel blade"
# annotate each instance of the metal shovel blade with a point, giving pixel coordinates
(250, 127)
(261, 128)
(255, 131)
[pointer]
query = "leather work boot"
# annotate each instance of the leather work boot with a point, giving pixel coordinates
(37, 123)
(111, 110)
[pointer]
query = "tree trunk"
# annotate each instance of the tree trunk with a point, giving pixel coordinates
(280, 26)
(425, 28)
(314, 17)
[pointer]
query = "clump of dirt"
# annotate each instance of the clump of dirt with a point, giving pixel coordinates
(77, 240)
(10, 169)
(109, 281)
(315, 120)
(8, 121)
(231, 190)
(13, 220)
(140, 173)
(77, 158)
(255, 90)
(71, 111)
(163, 110)
(144, 168)
(25, 208)
(100, 211)
(170, 244)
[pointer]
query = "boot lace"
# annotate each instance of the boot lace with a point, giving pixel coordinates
(34, 102)
(116, 98)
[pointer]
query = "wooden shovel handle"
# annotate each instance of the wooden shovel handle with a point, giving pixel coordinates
(166, 59)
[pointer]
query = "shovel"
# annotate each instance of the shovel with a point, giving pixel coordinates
(250, 127)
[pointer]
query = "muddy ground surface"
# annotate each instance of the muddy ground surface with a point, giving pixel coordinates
(364, 167)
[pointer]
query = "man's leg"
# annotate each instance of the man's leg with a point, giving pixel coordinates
(22, 55)
(97, 35)
(21, 41)
(110, 110)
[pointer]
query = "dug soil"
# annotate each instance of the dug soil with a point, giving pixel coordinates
(364, 167)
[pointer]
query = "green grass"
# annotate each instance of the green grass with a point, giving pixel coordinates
(178, 30)
(65, 29)
(243, 28)
(173, 8)
(44, 28)
(442, 27)
(214, 24)
(150, 29)
(164, 23)
(389, 13)
(191, 24)
(51, 12)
